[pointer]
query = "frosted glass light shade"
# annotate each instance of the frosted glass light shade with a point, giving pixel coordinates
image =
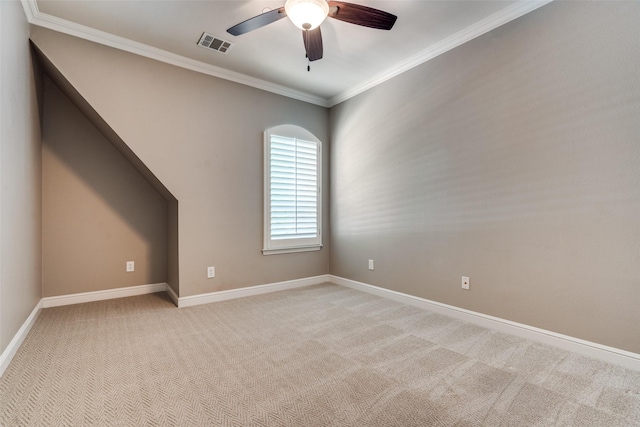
(307, 14)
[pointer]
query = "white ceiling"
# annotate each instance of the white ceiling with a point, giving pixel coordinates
(273, 57)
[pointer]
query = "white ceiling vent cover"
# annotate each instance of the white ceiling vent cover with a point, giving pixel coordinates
(212, 42)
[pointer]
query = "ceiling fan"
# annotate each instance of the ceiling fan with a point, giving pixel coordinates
(309, 14)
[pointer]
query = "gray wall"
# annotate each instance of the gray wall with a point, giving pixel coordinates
(20, 224)
(513, 159)
(202, 138)
(97, 211)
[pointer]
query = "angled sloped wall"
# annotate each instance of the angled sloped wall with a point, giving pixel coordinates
(67, 259)
(98, 211)
(202, 138)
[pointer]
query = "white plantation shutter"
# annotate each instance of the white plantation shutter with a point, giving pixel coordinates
(292, 193)
(294, 188)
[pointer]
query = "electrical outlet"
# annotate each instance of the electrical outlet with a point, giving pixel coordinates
(211, 272)
(370, 264)
(465, 283)
(130, 266)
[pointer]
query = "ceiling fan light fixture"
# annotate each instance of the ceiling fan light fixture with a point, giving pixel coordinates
(307, 14)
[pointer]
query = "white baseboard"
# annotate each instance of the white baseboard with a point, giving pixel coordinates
(174, 297)
(250, 291)
(18, 338)
(608, 354)
(102, 295)
(61, 300)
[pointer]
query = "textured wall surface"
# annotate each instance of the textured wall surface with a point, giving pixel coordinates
(97, 212)
(20, 189)
(202, 137)
(512, 159)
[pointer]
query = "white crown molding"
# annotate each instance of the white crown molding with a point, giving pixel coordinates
(30, 9)
(516, 10)
(608, 354)
(467, 34)
(35, 17)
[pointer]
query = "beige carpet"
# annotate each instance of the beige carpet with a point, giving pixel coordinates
(318, 356)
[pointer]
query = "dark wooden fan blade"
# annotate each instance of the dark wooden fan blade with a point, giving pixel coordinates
(313, 44)
(257, 21)
(361, 15)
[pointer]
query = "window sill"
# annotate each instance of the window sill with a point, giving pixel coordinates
(291, 250)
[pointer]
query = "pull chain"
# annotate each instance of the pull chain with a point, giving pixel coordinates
(306, 54)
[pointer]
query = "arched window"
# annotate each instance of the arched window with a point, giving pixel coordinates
(292, 190)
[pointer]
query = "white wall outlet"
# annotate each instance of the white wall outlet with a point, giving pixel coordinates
(211, 272)
(130, 266)
(465, 283)
(370, 264)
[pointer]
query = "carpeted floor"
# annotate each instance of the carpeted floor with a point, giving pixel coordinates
(318, 356)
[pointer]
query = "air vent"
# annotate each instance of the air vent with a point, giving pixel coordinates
(209, 41)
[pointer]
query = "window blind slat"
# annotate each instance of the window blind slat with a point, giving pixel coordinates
(294, 184)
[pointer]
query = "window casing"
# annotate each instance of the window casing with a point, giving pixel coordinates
(292, 192)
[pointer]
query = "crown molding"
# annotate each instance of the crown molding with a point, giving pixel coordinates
(35, 17)
(471, 32)
(516, 10)
(30, 9)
